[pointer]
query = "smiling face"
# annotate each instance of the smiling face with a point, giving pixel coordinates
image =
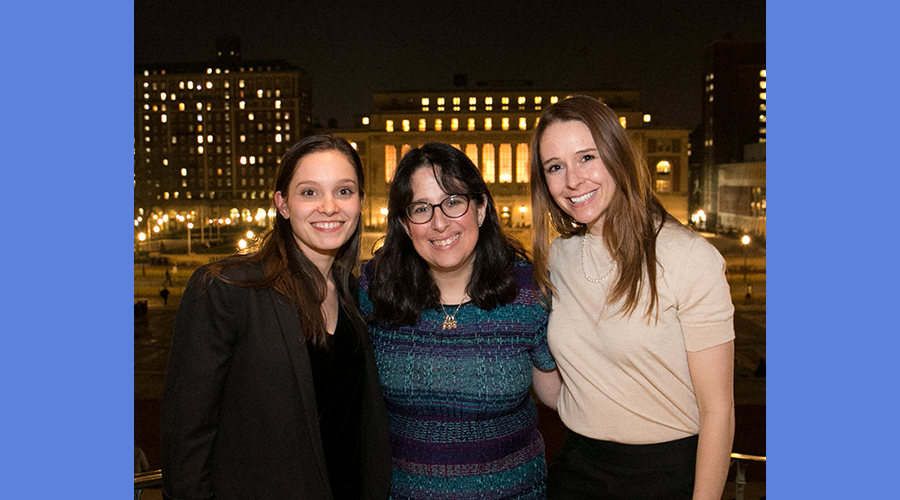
(577, 179)
(446, 244)
(322, 203)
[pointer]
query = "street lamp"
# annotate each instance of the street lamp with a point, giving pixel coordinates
(190, 226)
(745, 240)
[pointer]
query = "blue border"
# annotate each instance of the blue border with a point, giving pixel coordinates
(67, 356)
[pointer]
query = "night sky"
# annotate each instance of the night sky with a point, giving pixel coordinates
(351, 49)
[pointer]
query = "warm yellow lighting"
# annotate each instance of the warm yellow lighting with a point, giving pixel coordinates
(365, 120)
(142, 236)
(249, 235)
(523, 209)
(646, 118)
(745, 239)
(242, 244)
(383, 211)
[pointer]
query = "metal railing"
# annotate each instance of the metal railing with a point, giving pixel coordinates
(153, 479)
(740, 479)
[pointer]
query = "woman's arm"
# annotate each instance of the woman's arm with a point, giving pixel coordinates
(546, 385)
(202, 347)
(712, 372)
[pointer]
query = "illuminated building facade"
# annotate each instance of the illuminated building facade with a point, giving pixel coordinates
(492, 123)
(208, 137)
(733, 115)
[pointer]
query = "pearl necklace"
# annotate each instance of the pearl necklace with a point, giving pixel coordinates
(584, 266)
(450, 319)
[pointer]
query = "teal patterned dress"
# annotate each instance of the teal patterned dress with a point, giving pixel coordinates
(463, 425)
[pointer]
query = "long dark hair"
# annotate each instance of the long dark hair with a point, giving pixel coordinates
(287, 269)
(635, 214)
(401, 286)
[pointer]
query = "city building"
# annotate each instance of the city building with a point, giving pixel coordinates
(492, 123)
(742, 193)
(733, 114)
(208, 137)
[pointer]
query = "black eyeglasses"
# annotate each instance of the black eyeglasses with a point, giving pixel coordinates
(453, 206)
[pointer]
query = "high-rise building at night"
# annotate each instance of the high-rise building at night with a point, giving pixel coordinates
(733, 116)
(208, 137)
(492, 123)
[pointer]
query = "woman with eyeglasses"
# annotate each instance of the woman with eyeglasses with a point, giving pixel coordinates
(459, 331)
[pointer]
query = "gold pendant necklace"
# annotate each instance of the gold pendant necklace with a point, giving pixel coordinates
(450, 319)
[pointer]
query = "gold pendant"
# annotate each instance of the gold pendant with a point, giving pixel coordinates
(449, 323)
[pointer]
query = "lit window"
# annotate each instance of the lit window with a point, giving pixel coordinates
(406, 125)
(404, 149)
(162, 96)
(209, 138)
(487, 163)
(521, 99)
(523, 123)
(762, 95)
(174, 140)
(646, 118)
(163, 118)
(365, 120)
(762, 73)
(472, 153)
(489, 101)
(470, 124)
(473, 101)
(184, 172)
(456, 101)
(422, 125)
(454, 124)
(259, 93)
(505, 163)
(390, 162)
(199, 106)
(663, 185)
(623, 121)
(440, 101)
(537, 99)
(241, 104)
(504, 100)
(243, 160)
(554, 99)
(762, 118)
(389, 125)
(762, 107)
(504, 123)
(277, 104)
(200, 150)
(522, 163)
(488, 123)
(199, 139)
(209, 85)
(250, 117)
(762, 84)
(438, 125)
(456, 146)
(663, 167)
(243, 138)
(277, 137)
(425, 101)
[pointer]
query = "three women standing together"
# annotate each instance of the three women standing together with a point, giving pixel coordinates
(273, 392)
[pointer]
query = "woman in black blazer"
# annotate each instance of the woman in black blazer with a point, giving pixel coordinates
(271, 389)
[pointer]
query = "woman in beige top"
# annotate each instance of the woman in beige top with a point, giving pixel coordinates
(641, 325)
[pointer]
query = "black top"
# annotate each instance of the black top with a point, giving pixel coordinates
(338, 378)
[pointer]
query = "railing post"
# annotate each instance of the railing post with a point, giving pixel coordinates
(739, 481)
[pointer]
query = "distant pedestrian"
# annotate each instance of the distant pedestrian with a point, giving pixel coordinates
(168, 280)
(749, 297)
(164, 293)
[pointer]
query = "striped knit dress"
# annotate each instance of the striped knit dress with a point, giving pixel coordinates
(463, 425)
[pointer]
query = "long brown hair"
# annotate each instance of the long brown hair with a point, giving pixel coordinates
(635, 213)
(287, 270)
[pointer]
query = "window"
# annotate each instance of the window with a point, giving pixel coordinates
(405, 125)
(390, 162)
(422, 125)
(505, 163)
(523, 123)
(663, 185)
(487, 163)
(504, 123)
(472, 153)
(438, 125)
(389, 125)
(454, 124)
(470, 124)
(488, 123)
(663, 167)
(623, 122)
(522, 163)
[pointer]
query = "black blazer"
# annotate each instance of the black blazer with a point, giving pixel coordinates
(239, 417)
